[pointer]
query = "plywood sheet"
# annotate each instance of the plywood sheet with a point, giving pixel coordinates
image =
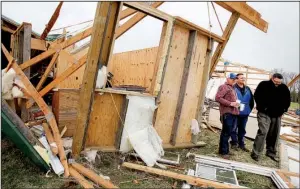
(128, 68)
(133, 67)
(104, 121)
(193, 88)
(171, 83)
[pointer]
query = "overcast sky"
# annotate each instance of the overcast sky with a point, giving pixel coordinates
(279, 48)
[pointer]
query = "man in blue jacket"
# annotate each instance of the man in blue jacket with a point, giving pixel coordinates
(245, 96)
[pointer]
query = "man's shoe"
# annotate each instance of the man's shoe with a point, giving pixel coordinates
(272, 156)
(254, 156)
(244, 149)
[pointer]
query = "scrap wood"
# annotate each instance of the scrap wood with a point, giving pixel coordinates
(285, 179)
(93, 176)
(63, 131)
(50, 138)
(36, 122)
(288, 173)
(43, 106)
(51, 21)
(289, 138)
(294, 159)
(81, 180)
(189, 179)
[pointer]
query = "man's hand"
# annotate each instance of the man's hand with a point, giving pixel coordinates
(234, 104)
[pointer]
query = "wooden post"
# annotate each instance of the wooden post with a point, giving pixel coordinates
(205, 78)
(93, 176)
(105, 23)
(221, 46)
(191, 46)
(196, 181)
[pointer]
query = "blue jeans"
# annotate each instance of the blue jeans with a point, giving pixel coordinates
(239, 131)
(228, 122)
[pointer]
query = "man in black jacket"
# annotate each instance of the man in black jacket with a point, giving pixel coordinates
(272, 100)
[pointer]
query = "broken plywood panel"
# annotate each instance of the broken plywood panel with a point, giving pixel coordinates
(171, 83)
(193, 88)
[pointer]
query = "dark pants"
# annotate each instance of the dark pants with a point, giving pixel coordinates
(239, 131)
(228, 122)
(268, 130)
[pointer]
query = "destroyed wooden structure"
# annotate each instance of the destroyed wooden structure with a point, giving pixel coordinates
(253, 76)
(175, 73)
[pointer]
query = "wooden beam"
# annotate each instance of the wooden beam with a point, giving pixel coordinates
(162, 58)
(293, 80)
(50, 138)
(44, 107)
(51, 21)
(221, 46)
(37, 58)
(184, 79)
(59, 79)
(204, 81)
(80, 179)
(93, 176)
(4, 28)
(182, 22)
(38, 44)
(47, 71)
(133, 21)
(106, 20)
(149, 11)
(247, 13)
(128, 12)
(195, 181)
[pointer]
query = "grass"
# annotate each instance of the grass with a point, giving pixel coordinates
(19, 172)
(294, 106)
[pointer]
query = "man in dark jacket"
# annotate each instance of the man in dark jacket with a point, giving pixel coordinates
(245, 96)
(272, 100)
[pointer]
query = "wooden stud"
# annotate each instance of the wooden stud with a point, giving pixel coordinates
(4, 28)
(195, 181)
(50, 138)
(221, 46)
(80, 179)
(162, 58)
(93, 176)
(182, 91)
(106, 20)
(51, 21)
(47, 71)
(128, 12)
(59, 79)
(205, 78)
(149, 11)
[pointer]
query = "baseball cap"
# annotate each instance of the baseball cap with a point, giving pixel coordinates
(232, 76)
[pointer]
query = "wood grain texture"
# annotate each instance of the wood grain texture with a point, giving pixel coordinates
(171, 83)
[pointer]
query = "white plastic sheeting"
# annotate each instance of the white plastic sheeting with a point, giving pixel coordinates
(138, 132)
(212, 87)
(101, 78)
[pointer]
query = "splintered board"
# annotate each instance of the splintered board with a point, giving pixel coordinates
(104, 120)
(194, 87)
(133, 67)
(171, 83)
(128, 68)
